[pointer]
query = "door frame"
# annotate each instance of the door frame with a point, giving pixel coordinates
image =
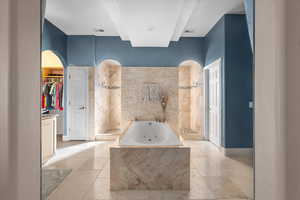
(19, 116)
(206, 101)
(67, 137)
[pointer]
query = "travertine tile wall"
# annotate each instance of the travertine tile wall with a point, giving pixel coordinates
(107, 98)
(197, 103)
(191, 105)
(184, 74)
(132, 105)
(91, 107)
(115, 106)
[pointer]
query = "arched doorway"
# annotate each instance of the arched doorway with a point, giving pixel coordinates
(190, 98)
(108, 100)
(52, 103)
(53, 76)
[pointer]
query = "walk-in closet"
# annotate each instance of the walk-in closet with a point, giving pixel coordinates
(52, 103)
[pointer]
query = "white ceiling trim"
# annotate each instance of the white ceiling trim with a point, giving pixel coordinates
(182, 21)
(113, 10)
(145, 23)
(150, 23)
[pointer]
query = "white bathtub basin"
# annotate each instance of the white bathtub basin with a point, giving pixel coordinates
(149, 133)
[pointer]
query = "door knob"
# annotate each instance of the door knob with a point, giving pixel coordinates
(82, 108)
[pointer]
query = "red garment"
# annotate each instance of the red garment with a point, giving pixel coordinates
(58, 91)
(57, 97)
(43, 101)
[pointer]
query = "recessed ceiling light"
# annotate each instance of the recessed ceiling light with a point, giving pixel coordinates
(188, 31)
(99, 30)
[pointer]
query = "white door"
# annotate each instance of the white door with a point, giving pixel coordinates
(77, 103)
(214, 103)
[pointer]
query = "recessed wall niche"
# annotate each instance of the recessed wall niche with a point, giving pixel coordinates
(108, 98)
(190, 97)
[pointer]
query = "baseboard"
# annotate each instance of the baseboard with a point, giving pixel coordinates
(106, 137)
(66, 138)
(237, 151)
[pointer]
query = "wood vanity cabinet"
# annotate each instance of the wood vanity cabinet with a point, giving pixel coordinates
(48, 137)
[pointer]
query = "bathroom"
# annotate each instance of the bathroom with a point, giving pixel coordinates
(154, 110)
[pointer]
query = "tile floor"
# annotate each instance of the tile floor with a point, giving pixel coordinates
(63, 144)
(213, 176)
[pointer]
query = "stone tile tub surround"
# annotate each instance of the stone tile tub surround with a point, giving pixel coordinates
(145, 168)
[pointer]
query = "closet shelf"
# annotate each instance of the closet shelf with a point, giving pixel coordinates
(53, 76)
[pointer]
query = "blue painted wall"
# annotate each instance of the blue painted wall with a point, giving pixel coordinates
(238, 79)
(81, 50)
(91, 51)
(229, 40)
(55, 40)
(177, 52)
(215, 42)
(249, 8)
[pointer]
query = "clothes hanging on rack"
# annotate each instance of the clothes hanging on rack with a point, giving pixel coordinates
(47, 96)
(52, 97)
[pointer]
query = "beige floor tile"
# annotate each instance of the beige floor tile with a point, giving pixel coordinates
(169, 195)
(64, 144)
(87, 154)
(199, 189)
(132, 195)
(105, 172)
(222, 187)
(69, 163)
(213, 176)
(245, 184)
(94, 163)
(175, 195)
(75, 185)
(100, 191)
(235, 199)
(199, 192)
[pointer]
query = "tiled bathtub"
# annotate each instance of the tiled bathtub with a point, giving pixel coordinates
(149, 157)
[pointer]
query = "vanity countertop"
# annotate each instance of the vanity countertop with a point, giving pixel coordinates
(48, 116)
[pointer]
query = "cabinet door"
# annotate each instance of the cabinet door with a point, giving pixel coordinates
(47, 138)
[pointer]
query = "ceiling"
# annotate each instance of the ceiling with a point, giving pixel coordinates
(145, 23)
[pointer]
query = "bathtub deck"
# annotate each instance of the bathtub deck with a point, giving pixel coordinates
(150, 168)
